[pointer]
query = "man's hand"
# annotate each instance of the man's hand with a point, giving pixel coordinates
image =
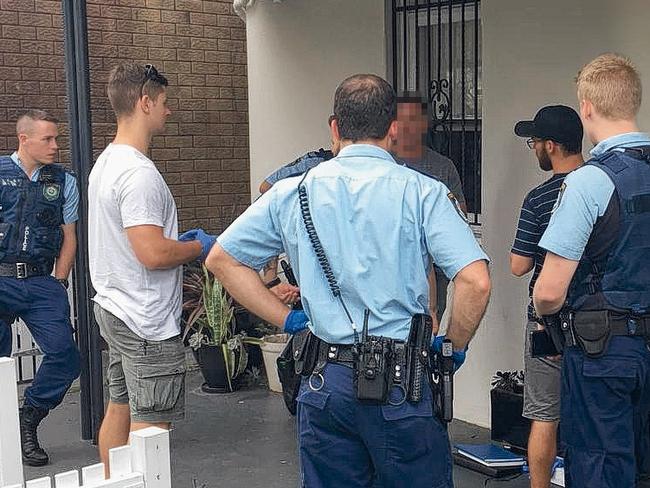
(287, 293)
(295, 321)
(206, 240)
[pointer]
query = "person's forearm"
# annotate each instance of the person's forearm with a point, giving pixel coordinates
(246, 287)
(468, 306)
(171, 253)
(65, 260)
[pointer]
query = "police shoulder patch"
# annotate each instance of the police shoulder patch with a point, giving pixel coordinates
(51, 191)
(456, 204)
(559, 196)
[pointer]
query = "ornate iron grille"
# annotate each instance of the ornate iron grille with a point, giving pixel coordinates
(436, 50)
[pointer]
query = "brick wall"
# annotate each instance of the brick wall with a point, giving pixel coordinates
(199, 45)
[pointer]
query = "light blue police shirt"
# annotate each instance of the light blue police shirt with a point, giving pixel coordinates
(585, 197)
(380, 225)
(70, 192)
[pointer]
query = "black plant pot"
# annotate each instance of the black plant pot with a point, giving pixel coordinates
(213, 368)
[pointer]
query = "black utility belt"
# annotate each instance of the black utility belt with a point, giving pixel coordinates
(24, 270)
(591, 330)
(379, 363)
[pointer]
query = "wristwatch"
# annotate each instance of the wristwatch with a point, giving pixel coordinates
(64, 282)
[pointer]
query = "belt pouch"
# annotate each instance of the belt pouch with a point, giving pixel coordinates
(289, 379)
(305, 352)
(592, 332)
(373, 370)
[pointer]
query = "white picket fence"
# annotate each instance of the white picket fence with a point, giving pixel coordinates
(144, 463)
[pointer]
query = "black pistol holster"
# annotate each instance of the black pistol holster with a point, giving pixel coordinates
(297, 359)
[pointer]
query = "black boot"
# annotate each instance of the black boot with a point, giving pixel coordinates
(33, 453)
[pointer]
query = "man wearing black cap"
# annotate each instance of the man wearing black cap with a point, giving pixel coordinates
(556, 136)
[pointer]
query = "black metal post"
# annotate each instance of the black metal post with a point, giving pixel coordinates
(78, 89)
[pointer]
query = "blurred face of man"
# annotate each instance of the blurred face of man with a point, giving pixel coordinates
(38, 141)
(411, 127)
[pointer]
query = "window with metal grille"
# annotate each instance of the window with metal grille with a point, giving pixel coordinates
(436, 50)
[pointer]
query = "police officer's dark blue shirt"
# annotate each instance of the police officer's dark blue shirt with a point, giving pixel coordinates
(380, 224)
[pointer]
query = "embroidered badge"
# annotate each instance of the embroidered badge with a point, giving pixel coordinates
(51, 191)
(559, 197)
(456, 205)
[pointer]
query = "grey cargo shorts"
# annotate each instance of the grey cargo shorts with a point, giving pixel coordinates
(148, 375)
(541, 384)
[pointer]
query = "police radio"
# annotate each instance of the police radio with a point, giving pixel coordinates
(372, 370)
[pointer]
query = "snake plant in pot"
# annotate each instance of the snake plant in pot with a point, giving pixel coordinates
(210, 329)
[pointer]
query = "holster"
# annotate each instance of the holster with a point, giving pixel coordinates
(289, 380)
(297, 359)
(592, 332)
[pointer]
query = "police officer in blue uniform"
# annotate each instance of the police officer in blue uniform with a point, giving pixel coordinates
(361, 232)
(597, 276)
(38, 211)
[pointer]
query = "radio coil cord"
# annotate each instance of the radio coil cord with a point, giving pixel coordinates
(320, 251)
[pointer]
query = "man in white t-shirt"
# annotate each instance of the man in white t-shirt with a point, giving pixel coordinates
(136, 263)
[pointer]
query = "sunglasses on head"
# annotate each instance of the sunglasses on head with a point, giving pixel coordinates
(151, 74)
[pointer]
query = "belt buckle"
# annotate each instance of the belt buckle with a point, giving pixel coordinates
(21, 271)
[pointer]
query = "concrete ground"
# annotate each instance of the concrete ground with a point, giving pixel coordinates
(242, 439)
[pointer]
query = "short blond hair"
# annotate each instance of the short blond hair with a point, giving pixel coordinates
(612, 84)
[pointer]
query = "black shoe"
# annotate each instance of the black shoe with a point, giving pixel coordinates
(33, 453)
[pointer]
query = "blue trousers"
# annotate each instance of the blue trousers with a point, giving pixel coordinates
(343, 442)
(43, 305)
(605, 408)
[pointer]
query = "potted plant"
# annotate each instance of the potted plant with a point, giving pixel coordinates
(210, 329)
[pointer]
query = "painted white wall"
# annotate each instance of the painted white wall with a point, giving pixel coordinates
(531, 53)
(298, 52)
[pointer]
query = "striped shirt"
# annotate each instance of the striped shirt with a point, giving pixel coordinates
(535, 213)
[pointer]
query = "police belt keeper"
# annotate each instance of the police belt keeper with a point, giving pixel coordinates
(591, 330)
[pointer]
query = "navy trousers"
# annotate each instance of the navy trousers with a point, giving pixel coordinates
(43, 305)
(343, 442)
(605, 408)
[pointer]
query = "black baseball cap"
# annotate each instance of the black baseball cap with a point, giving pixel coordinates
(557, 123)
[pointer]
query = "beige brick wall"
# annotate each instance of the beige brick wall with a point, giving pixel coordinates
(200, 45)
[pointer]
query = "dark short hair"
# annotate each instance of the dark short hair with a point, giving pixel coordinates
(364, 107)
(571, 148)
(128, 82)
(413, 97)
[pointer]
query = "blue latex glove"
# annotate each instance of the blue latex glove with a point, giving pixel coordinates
(457, 356)
(206, 240)
(295, 321)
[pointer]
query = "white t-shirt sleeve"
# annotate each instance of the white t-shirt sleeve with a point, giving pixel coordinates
(141, 199)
